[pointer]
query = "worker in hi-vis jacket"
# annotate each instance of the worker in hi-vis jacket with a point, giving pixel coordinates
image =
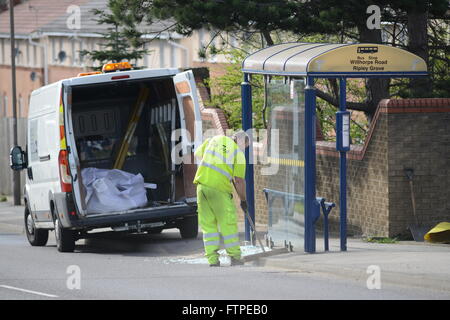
(222, 164)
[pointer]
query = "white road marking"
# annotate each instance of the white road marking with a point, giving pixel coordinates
(29, 291)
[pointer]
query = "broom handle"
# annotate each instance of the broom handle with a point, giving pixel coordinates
(254, 229)
(413, 201)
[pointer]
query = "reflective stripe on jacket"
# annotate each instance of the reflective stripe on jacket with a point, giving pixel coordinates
(221, 161)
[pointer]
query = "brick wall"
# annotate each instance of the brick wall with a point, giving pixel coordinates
(419, 138)
(367, 182)
(411, 133)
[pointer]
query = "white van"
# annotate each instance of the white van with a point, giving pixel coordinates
(80, 123)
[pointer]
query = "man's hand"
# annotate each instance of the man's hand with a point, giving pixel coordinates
(244, 206)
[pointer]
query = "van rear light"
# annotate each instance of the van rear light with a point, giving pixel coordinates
(64, 174)
(125, 76)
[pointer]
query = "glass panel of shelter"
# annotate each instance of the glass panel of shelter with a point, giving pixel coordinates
(285, 156)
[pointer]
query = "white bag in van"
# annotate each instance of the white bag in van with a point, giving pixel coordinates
(113, 190)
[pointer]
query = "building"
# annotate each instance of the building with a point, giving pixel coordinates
(49, 39)
(49, 36)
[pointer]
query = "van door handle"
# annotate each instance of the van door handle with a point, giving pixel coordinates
(44, 158)
(30, 173)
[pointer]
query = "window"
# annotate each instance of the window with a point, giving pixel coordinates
(172, 57)
(161, 54)
(213, 44)
(146, 55)
(19, 107)
(18, 53)
(201, 45)
(53, 50)
(79, 53)
(74, 61)
(60, 45)
(35, 62)
(2, 52)
(27, 53)
(2, 114)
(5, 104)
(234, 42)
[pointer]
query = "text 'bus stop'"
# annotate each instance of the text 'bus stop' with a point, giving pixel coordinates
(292, 108)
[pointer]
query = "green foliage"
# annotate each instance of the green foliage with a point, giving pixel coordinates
(326, 113)
(381, 240)
(227, 92)
(123, 40)
(3, 5)
(264, 22)
(229, 15)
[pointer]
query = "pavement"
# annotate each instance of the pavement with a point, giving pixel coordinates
(405, 263)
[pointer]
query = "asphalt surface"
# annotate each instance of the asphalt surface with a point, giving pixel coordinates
(161, 267)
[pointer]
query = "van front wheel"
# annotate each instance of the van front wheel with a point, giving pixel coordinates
(189, 227)
(36, 237)
(65, 238)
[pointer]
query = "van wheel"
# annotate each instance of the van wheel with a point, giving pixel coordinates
(65, 238)
(36, 237)
(189, 227)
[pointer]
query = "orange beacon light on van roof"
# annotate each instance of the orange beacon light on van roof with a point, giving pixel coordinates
(82, 74)
(111, 67)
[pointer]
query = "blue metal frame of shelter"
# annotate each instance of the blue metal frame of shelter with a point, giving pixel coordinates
(343, 171)
(247, 123)
(312, 206)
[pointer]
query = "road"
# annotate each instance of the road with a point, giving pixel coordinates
(161, 266)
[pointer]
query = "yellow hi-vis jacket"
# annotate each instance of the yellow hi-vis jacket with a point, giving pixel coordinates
(221, 161)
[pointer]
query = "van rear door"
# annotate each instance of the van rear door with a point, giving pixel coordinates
(75, 171)
(191, 125)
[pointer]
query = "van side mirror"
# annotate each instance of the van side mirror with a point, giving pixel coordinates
(17, 159)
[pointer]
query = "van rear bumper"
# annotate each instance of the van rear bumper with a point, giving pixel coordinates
(117, 219)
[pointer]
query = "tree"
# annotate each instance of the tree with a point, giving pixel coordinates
(123, 40)
(413, 16)
(345, 19)
(228, 92)
(4, 4)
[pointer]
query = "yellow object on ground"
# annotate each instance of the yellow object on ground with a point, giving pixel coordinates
(439, 234)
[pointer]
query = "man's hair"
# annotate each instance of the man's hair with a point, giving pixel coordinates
(240, 135)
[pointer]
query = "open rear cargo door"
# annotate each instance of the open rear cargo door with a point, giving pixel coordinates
(191, 125)
(74, 161)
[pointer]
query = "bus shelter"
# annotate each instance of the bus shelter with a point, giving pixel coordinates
(290, 71)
